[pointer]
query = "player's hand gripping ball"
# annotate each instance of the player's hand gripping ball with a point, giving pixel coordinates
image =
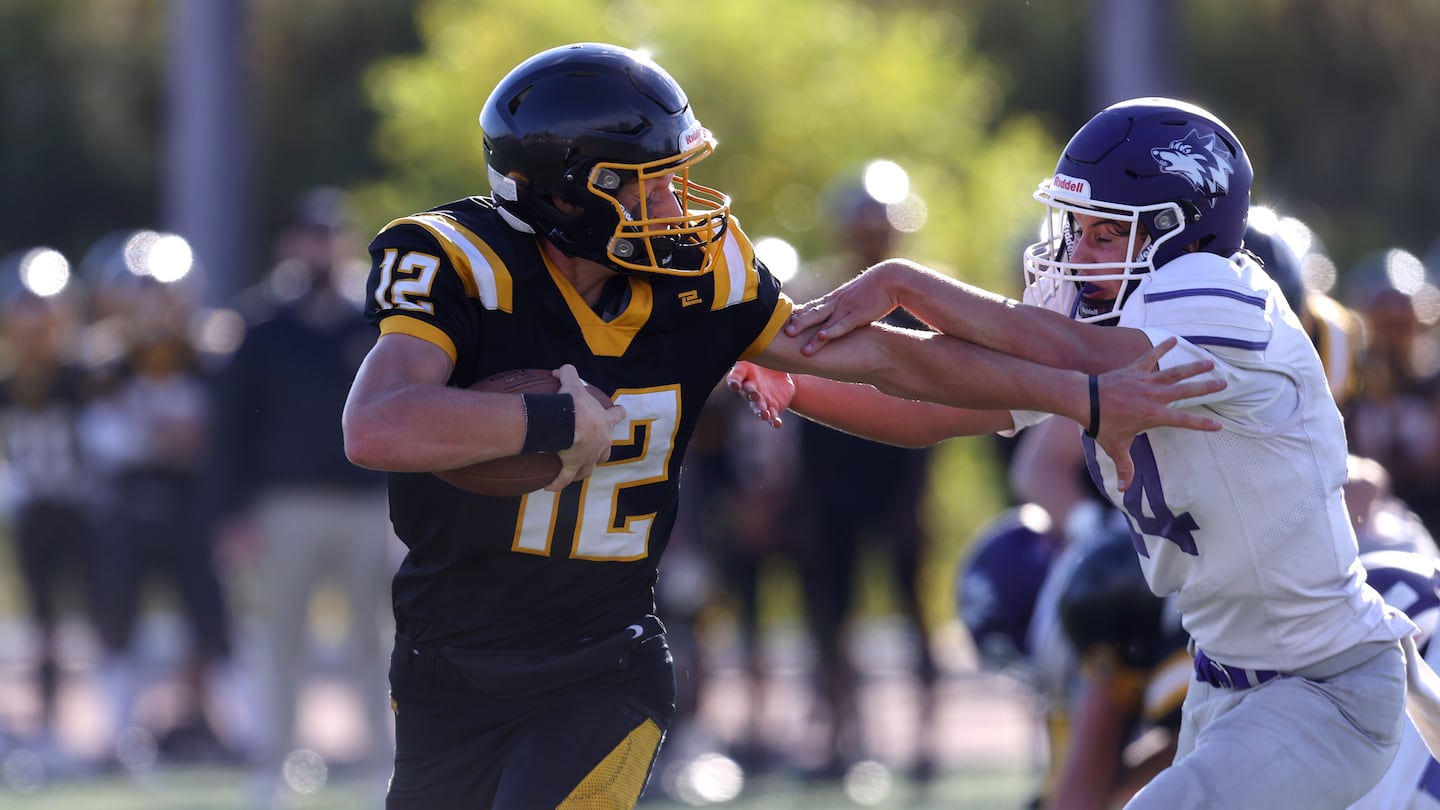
(514, 475)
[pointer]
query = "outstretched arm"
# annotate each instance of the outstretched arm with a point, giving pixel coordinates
(965, 311)
(953, 372)
(858, 408)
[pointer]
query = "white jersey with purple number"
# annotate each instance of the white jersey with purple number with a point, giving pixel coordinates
(1246, 526)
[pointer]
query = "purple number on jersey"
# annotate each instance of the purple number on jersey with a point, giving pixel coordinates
(1145, 489)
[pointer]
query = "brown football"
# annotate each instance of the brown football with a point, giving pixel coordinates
(514, 475)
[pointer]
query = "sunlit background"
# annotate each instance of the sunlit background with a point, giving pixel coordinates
(146, 140)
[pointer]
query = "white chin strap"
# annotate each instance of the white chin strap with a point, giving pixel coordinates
(515, 222)
(504, 189)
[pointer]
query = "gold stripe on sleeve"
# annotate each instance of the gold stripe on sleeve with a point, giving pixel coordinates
(416, 328)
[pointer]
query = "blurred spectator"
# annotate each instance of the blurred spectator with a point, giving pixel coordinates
(293, 507)
(711, 569)
(49, 497)
(1395, 419)
(149, 433)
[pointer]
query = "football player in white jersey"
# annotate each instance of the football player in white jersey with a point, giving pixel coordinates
(1299, 693)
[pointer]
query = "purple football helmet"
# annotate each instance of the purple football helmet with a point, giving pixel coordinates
(1167, 165)
(999, 580)
(1408, 581)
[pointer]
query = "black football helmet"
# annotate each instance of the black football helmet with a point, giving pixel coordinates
(576, 123)
(999, 582)
(1168, 165)
(1277, 257)
(1105, 601)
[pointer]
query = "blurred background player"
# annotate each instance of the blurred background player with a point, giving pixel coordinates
(1134, 668)
(296, 514)
(1381, 520)
(1335, 331)
(997, 591)
(148, 431)
(49, 493)
(1395, 417)
(864, 501)
(750, 475)
(822, 503)
(1410, 582)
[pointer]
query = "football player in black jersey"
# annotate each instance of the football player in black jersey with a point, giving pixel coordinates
(1134, 667)
(529, 670)
(52, 490)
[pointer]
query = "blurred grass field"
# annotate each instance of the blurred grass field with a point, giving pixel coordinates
(223, 789)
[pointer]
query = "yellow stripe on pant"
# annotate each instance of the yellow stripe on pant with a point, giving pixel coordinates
(615, 783)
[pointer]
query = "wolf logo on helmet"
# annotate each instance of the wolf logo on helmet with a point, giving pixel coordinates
(1199, 160)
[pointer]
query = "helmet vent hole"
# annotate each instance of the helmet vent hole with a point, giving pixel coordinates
(518, 99)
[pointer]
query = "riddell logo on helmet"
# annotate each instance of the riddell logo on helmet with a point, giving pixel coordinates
(692, 136)
(1074, 185)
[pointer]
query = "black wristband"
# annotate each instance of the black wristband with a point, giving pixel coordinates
(1094, 407)
(549, 422)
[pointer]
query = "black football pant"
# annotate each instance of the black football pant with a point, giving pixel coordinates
(586, 744)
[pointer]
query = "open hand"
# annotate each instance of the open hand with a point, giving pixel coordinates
(856, 303)
(1138, 397)
(768, 392)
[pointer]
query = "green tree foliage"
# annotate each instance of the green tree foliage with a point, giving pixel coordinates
(1337, 100)
(83, 110)
(1332, 96)
(313, 122)
(80, 96)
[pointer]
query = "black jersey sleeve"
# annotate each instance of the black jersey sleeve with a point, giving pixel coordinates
(745, 287)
